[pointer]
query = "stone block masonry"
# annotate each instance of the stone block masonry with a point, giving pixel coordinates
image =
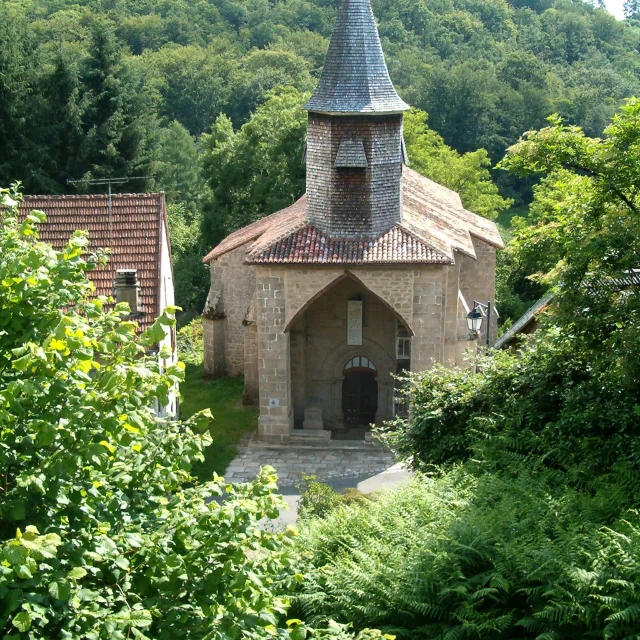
(274, 330)
(250, 396)
(429, 299)
(232, 289)
(274, 367)
(214, 346)
(478, 281)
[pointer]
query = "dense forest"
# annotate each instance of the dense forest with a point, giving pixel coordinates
(179, 91)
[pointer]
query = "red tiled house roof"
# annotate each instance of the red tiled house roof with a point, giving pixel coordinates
(310, 246)
(132, 231)
(434, 225)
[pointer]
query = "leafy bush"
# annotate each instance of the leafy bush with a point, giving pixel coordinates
(462, 556)
(119, 540)
(190, 343)
(547, 402)
(318, 499)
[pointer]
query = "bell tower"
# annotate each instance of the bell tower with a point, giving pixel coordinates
(355, 146)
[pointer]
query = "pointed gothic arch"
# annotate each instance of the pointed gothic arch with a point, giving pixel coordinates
(347, 274)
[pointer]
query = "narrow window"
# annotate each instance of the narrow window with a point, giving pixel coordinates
(403, 342)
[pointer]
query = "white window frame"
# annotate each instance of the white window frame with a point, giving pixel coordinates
(403, 348)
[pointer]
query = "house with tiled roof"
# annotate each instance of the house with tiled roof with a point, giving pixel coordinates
(371, 273)
(133, 229)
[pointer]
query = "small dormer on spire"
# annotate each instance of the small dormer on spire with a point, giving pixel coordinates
(355, 78)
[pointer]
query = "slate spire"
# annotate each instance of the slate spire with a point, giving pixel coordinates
(355, 78)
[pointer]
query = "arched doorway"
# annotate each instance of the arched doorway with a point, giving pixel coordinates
(359, 392)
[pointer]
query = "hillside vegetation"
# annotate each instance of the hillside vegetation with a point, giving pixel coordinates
(114, 88)
(485, 71)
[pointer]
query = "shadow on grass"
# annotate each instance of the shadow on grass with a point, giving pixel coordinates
(230, 419)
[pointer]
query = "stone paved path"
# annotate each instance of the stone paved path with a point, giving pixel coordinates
(328, 461)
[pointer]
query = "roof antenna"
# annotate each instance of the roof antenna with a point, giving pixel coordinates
(109, 182)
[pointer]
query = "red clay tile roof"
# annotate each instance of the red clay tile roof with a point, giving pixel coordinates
(310, 246)
(256, 229)
(434, 225)
(133, 235)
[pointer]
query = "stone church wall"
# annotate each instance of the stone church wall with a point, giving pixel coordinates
(478, 280)
(417, 294)
(393, 284)
(274, 364)
(292, 346)
(429, 297)
(233, 286)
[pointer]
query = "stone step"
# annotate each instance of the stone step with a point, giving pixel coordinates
(311, 435)
(319, 446)
(299, 440)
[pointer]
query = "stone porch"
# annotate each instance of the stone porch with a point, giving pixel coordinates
(327, 461)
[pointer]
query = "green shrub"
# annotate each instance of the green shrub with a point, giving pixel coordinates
(317, 499)
(190, 343)
(556, 403)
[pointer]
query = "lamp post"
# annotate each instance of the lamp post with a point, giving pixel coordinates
(477, 315)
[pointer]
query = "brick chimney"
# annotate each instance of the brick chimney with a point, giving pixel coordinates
(354, 137)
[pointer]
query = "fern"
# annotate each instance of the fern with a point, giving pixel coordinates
(495, 557)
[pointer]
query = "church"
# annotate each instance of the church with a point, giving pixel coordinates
(369, 274)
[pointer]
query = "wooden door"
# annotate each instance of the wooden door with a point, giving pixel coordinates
(359, 397)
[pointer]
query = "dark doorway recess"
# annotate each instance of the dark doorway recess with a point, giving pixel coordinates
(359, 396)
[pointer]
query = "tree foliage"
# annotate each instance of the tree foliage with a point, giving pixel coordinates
(258, 169)
(191, 276)
(103, 531)
(571, 395)
(468, 174)
(484, 71)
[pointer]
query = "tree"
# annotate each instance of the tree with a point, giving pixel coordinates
(103, 531)
(257, 170)
(194, 83)
(177, 167)
(584, 227)
(261, 73)
(117, 113)
(631, 9)
(16, 81)
(192, 278)
(468, 174)
(60, 111)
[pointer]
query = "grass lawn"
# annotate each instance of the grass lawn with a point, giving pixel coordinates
(230, 419)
